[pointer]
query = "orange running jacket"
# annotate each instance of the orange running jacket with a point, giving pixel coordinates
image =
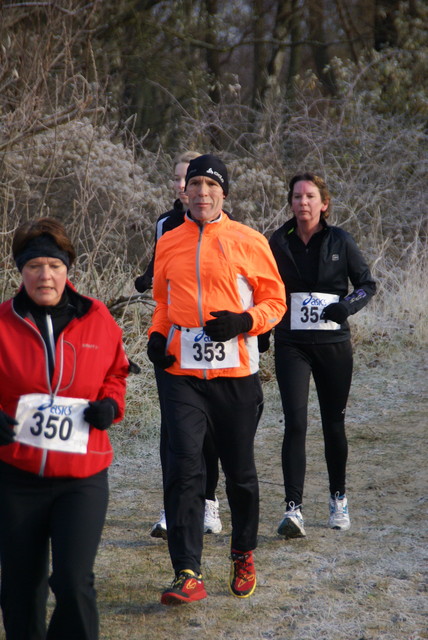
(223, 265)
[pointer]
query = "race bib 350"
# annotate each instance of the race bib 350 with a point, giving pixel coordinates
(57, 424)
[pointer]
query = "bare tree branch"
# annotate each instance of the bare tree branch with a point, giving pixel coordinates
(52, 121)
(125, 301)
(53, 5)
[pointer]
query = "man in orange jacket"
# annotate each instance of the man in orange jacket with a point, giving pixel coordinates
(216, 287)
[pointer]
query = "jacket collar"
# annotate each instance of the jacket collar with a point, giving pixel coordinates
(218, 220)
(23, 304)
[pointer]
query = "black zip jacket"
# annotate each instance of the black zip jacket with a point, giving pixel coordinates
(170, 220)
(340, 261)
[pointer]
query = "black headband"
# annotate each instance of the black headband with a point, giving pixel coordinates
(43, 246)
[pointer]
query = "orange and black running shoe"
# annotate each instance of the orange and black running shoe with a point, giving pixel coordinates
(187, 586)
(242, 574)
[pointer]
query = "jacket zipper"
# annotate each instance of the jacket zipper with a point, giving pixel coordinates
(51, 392)
(199, 283)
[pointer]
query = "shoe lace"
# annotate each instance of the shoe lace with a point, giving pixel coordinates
(243, 564)
(339, 503)
(212, 509)
(179, 580)
(292, 508)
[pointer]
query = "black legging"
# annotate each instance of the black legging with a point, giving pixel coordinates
(230, 408)
(210, 450)
(68, 513)
(331, 367)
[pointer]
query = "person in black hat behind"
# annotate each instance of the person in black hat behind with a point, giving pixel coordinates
(166, 222)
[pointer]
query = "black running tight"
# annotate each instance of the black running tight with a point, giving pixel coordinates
(331, 367)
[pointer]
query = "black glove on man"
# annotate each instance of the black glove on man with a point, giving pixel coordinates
(156, 348)
(7, 435)
(227, 325)
(142, 283)
(133, 367)
(336, 311)
(101, 413)
(263, 341)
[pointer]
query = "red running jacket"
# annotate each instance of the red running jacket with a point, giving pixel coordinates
(90, 363)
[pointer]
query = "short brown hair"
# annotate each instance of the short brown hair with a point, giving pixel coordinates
(43, 226)
(318, 182)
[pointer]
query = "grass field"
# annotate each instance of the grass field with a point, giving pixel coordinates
(365, 584)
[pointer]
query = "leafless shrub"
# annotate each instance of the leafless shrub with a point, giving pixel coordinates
(62, 155)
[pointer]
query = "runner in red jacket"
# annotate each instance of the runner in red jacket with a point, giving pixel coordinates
(63, 375)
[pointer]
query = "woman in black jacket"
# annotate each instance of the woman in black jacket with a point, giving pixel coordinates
(316, 262)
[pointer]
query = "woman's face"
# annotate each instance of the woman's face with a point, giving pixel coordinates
(44, 280)
(306, 202)
(180, 181)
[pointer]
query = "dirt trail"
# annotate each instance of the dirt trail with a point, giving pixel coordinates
(369, 583)
(365, 584)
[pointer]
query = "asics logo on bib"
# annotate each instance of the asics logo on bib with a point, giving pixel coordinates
(202, 336)
(60, 410)
(316, 302)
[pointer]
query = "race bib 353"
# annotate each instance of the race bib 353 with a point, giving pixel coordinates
(198, 351)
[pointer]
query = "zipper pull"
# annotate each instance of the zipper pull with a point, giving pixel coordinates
(46, 405)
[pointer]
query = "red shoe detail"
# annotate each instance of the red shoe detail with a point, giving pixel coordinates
(187, 586)
(242, 574)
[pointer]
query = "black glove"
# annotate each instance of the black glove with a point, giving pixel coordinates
(227, 325)
(101, 413)
(156, 348)
(336, 311)
(142, 283)
(133, 367)
(7, 435)
(263, 341)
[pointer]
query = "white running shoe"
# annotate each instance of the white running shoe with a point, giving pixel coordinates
(339, 516)
(159, 528)
(291, 526)
(212, 522)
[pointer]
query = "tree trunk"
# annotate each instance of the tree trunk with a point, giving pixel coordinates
(272, 89)
(295, 59)
(319, 47)
(213, 64)
(385, 32)
(260, 55)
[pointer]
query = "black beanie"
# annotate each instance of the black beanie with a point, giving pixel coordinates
(211, 167)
